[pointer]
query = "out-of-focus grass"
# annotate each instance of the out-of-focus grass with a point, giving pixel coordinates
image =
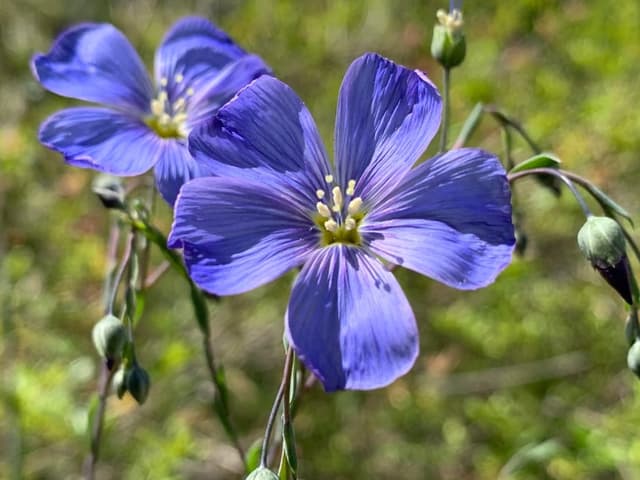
(568, 70)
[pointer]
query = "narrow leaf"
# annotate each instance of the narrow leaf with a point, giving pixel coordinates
(543, 160)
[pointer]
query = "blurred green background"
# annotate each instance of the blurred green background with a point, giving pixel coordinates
(526, 379)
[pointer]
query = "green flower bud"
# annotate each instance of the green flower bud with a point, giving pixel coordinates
(602, 242)
(137, 383)
(262, 473)
(633, 358)
(109, 336)
(110, 191)
(448, 45)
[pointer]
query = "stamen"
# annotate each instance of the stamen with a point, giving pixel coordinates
(180, 118)
(178, 78)
(164, 81)
(164, 119)
(163, 96)
(320, 194)
(178, 104)
(354, 206)
(323, 210)
(157, 107)
(349, 223)
(337, 199)
(351, 187)
(331, 225)
(328, 178)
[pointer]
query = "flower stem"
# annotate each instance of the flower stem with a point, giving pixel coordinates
(446, 81)
(286, 379)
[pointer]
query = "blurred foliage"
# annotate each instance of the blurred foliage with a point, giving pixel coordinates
(523, 380)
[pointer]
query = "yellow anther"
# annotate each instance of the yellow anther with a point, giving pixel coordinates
(354, 206)
(190, 91)
(337, 198)
(323, 210)
(178, 78)
(163, 96)
(331, 225)
(328, 178)
(164, 81)
(351, 187)
(179, 118)
(164, 119)
(349, 223)
(320, 194)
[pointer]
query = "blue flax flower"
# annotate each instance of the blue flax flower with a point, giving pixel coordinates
(197, 69)
(277, 203)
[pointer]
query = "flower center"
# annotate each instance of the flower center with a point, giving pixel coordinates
(338, 215)
(169, 119)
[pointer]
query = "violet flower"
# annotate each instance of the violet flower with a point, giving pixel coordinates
(197, 69)
(277, 203)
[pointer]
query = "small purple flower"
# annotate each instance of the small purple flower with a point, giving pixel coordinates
(198, 68)
(277, 203)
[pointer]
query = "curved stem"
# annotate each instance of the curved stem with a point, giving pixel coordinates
(288, 363)
(446, 80)
(558, 174)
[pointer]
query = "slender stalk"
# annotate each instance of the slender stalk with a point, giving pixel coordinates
(558, 174)
(155, 274)
(111, 296)
(146, 254)
(446, 80)
(106, 376)
(288, 363)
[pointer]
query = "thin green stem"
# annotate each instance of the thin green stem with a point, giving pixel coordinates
(446, 81)
(276, 406)
(558, 174)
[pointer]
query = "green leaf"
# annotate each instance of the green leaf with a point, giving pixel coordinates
(289, 440)
(542, 160)
(253, 455)
(470, 124)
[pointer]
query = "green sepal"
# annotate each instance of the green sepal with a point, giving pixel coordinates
(542, 160)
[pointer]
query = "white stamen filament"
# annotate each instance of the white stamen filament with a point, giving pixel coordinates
(164, 81)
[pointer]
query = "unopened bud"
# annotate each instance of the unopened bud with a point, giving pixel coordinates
(118, 383)
(109, 336)
(262, 473)
(110, 191)
(448, 45)
(633, 358)
(137, 383)
(602, 242)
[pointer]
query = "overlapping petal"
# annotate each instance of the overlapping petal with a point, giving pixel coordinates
(210, 96)
(450, 219)
(349, 321)
(196, 51)
(265, 132)
(174, 168)
(238, 234)
(96, 63)
(387, 116)
(101, 139)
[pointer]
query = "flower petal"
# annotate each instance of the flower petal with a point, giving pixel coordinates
(219, 90)
(387, 116)
(193, 53)
(101, 139)
(265, 131)
(450, 219)
(349, 321)
(175, 167)
(239, 234)
(96, 63)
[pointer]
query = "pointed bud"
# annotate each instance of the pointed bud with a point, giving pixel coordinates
(137, 383)
(109, 336)
(110, 191)
(633, 358)
(448, 45)
(262, 473)
(602, 242)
